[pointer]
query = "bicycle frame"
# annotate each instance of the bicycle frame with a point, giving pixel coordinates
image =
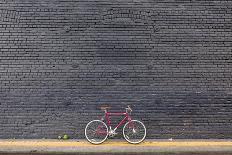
(107, 114)
(98, 130)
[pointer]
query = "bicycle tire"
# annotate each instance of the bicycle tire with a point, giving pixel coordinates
(94, 140)
(134, 131)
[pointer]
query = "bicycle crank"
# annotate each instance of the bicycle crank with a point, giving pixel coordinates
(112, 133)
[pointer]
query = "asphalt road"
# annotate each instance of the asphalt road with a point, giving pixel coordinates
(151, 153)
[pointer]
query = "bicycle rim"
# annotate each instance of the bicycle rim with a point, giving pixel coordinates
(134, 132)
(96, 132)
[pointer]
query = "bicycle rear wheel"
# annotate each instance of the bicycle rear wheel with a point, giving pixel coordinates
(134, 132)
(96, 132)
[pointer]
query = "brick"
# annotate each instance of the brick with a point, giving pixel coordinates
(170, 60)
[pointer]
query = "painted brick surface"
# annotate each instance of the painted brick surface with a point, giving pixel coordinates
(170, 60)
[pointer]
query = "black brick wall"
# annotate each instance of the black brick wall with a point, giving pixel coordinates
(171, 60)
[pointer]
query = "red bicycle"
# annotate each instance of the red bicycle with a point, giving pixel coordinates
(96, 131)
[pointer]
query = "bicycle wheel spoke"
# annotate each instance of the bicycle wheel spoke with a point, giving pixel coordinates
(134, 131)
(96, 132)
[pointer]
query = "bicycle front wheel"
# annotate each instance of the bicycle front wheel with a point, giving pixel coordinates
(134, 132)
(96, 132)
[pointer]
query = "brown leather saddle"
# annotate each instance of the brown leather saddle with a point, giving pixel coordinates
(104, 107)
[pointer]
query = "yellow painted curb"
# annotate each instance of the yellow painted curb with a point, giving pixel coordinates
(113, 144)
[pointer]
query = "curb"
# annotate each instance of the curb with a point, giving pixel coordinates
(51, 146)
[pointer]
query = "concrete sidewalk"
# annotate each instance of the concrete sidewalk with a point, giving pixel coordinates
(51, 146)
